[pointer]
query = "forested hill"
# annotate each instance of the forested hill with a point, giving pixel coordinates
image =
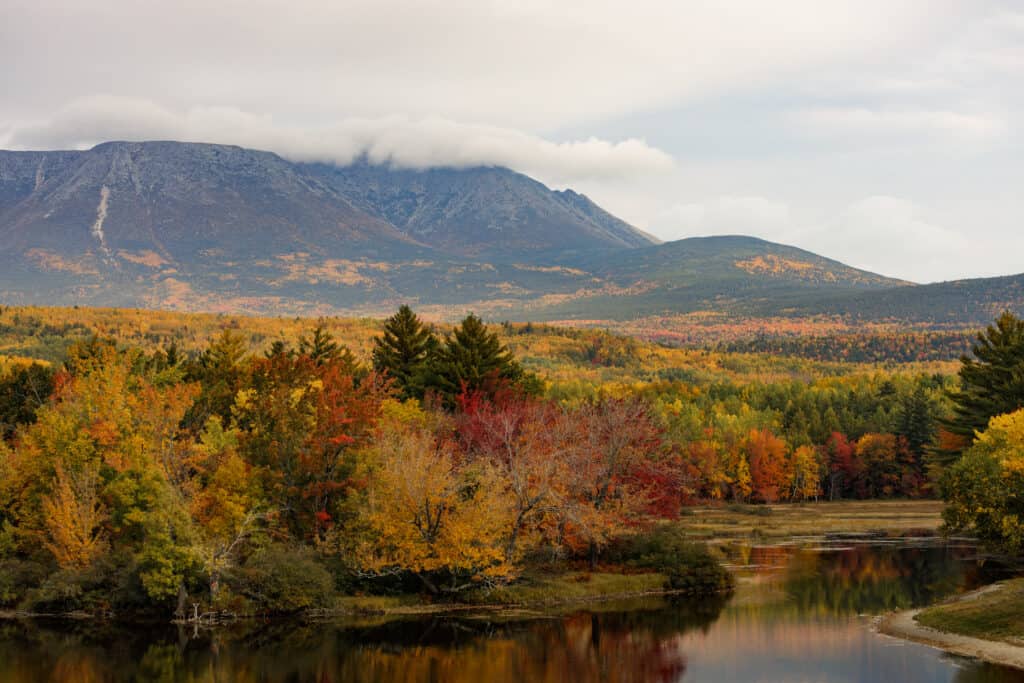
(957, 301)
(732, 273)
(203, 227)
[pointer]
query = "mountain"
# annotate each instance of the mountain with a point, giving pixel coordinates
(213, 227)
(485, 211)
(175, 202)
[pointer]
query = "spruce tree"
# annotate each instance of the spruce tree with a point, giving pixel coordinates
(992, 382)
(472, 358)
(916, 423)
(220, 371)
(322, 347)
(405, 351)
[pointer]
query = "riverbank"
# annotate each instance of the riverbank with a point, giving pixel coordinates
(763, 524)
(986, 624)
(790, 520)
(714, 525)
(531, 592)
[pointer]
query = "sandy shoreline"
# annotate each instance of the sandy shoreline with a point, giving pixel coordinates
(903, 625)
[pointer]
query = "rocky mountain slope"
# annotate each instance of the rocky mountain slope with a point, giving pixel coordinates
(221, 228)
(491, 212)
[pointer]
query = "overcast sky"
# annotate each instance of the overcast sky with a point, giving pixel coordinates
(885, 134)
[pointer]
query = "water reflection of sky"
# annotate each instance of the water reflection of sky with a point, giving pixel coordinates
(800, 615)
(804, 650)
(804, 615)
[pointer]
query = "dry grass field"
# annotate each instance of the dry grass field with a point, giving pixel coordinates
(891, 517)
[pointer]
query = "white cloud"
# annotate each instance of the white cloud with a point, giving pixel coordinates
(397, 140)
(530, 65)
(888, 235)
(723, 215)
(858, 121)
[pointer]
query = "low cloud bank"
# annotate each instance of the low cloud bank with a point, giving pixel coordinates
(395, 140)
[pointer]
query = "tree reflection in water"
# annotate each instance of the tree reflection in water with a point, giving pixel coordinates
(873, 579)
(794, 617)
(637, 644)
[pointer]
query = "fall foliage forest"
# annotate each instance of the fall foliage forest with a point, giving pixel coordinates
(150, 460)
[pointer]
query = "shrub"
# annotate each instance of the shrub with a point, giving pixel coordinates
(17, 577)
(282, 579)
(70, 590)
(755, 510)
(689, 567)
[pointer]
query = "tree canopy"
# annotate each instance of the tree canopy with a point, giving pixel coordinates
(985, 488)
(406, 351)
(472, 358)
(992, 381)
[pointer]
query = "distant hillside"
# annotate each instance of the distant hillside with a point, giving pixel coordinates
(728, 273)
(974, 301)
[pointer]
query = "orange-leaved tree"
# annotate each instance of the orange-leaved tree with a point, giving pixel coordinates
(73, 517)
(300, 423)
(766, 454)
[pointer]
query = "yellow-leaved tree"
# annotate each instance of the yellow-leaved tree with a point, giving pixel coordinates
(804, 473)
(427, 515)
(228, 508)
(984, 490)
(73, 516)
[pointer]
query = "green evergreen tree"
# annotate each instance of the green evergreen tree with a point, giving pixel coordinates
(322, 347)
(23, 391)
(278, 347)
(474, 358)
(916, 424)
(992, 382)
(406, 351)
(220, 371)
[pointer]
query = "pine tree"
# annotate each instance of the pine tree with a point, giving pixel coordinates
(321, 348)
(991, 383)
(405, 352)
(220, 370)
(473, 358)
(916, 424)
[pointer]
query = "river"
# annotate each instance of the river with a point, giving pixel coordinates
(802, 613)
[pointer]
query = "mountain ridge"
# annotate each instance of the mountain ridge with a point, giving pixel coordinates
(447, 208)
(197, 226)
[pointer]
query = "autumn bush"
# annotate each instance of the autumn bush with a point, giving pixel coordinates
(281, 579)
(17, 578)
(689, 567)
(109, 584)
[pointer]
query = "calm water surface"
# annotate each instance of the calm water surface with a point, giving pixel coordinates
(801, 614)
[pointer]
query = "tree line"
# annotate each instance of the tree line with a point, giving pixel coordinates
(135, 479)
